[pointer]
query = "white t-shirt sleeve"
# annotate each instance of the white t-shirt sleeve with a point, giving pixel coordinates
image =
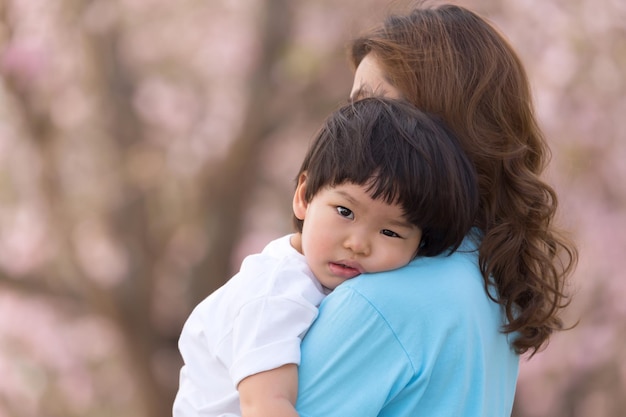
(266, 336)
(267, 330)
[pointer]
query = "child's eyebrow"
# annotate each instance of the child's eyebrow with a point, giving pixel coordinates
(348, 197)
(402, 223)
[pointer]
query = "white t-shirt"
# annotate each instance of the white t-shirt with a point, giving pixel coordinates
(253, 323)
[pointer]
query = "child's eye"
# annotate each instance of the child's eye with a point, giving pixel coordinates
(389, 233)
(345, 212)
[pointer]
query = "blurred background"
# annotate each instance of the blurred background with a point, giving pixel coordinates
(146, 146)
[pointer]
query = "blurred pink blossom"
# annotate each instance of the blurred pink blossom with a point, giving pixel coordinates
(100, 256)
(25, 61)
(174, 108)
(23, 240)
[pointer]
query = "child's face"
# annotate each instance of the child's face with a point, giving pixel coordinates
(347, 233)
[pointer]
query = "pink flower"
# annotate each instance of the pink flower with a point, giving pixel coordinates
(25, 61)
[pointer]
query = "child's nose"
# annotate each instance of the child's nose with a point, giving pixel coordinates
(358, 244)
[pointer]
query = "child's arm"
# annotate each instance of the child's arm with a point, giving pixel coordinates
(271, 393)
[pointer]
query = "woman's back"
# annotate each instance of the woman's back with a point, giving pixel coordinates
(429, 340)
(422, 340)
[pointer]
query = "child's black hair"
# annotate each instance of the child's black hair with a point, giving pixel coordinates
(404, 156)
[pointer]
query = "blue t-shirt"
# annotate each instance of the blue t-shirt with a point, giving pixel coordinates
(423, 340)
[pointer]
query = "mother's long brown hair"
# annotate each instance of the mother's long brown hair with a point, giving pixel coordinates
(449, 61)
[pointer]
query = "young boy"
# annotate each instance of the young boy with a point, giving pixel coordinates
(381, 183)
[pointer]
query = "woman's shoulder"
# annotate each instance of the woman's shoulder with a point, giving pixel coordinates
(448, 284)
(460, 265)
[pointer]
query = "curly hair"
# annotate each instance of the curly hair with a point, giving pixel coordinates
(449, 61)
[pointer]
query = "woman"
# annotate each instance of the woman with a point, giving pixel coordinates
(442, 336)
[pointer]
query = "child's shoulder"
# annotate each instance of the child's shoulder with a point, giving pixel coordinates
(276, 253)
(280, 270)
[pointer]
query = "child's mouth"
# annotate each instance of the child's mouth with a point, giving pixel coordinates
(344, 271)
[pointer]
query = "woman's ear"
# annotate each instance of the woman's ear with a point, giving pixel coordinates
(299, 201)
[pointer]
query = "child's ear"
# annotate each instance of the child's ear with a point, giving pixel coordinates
(299, 201)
